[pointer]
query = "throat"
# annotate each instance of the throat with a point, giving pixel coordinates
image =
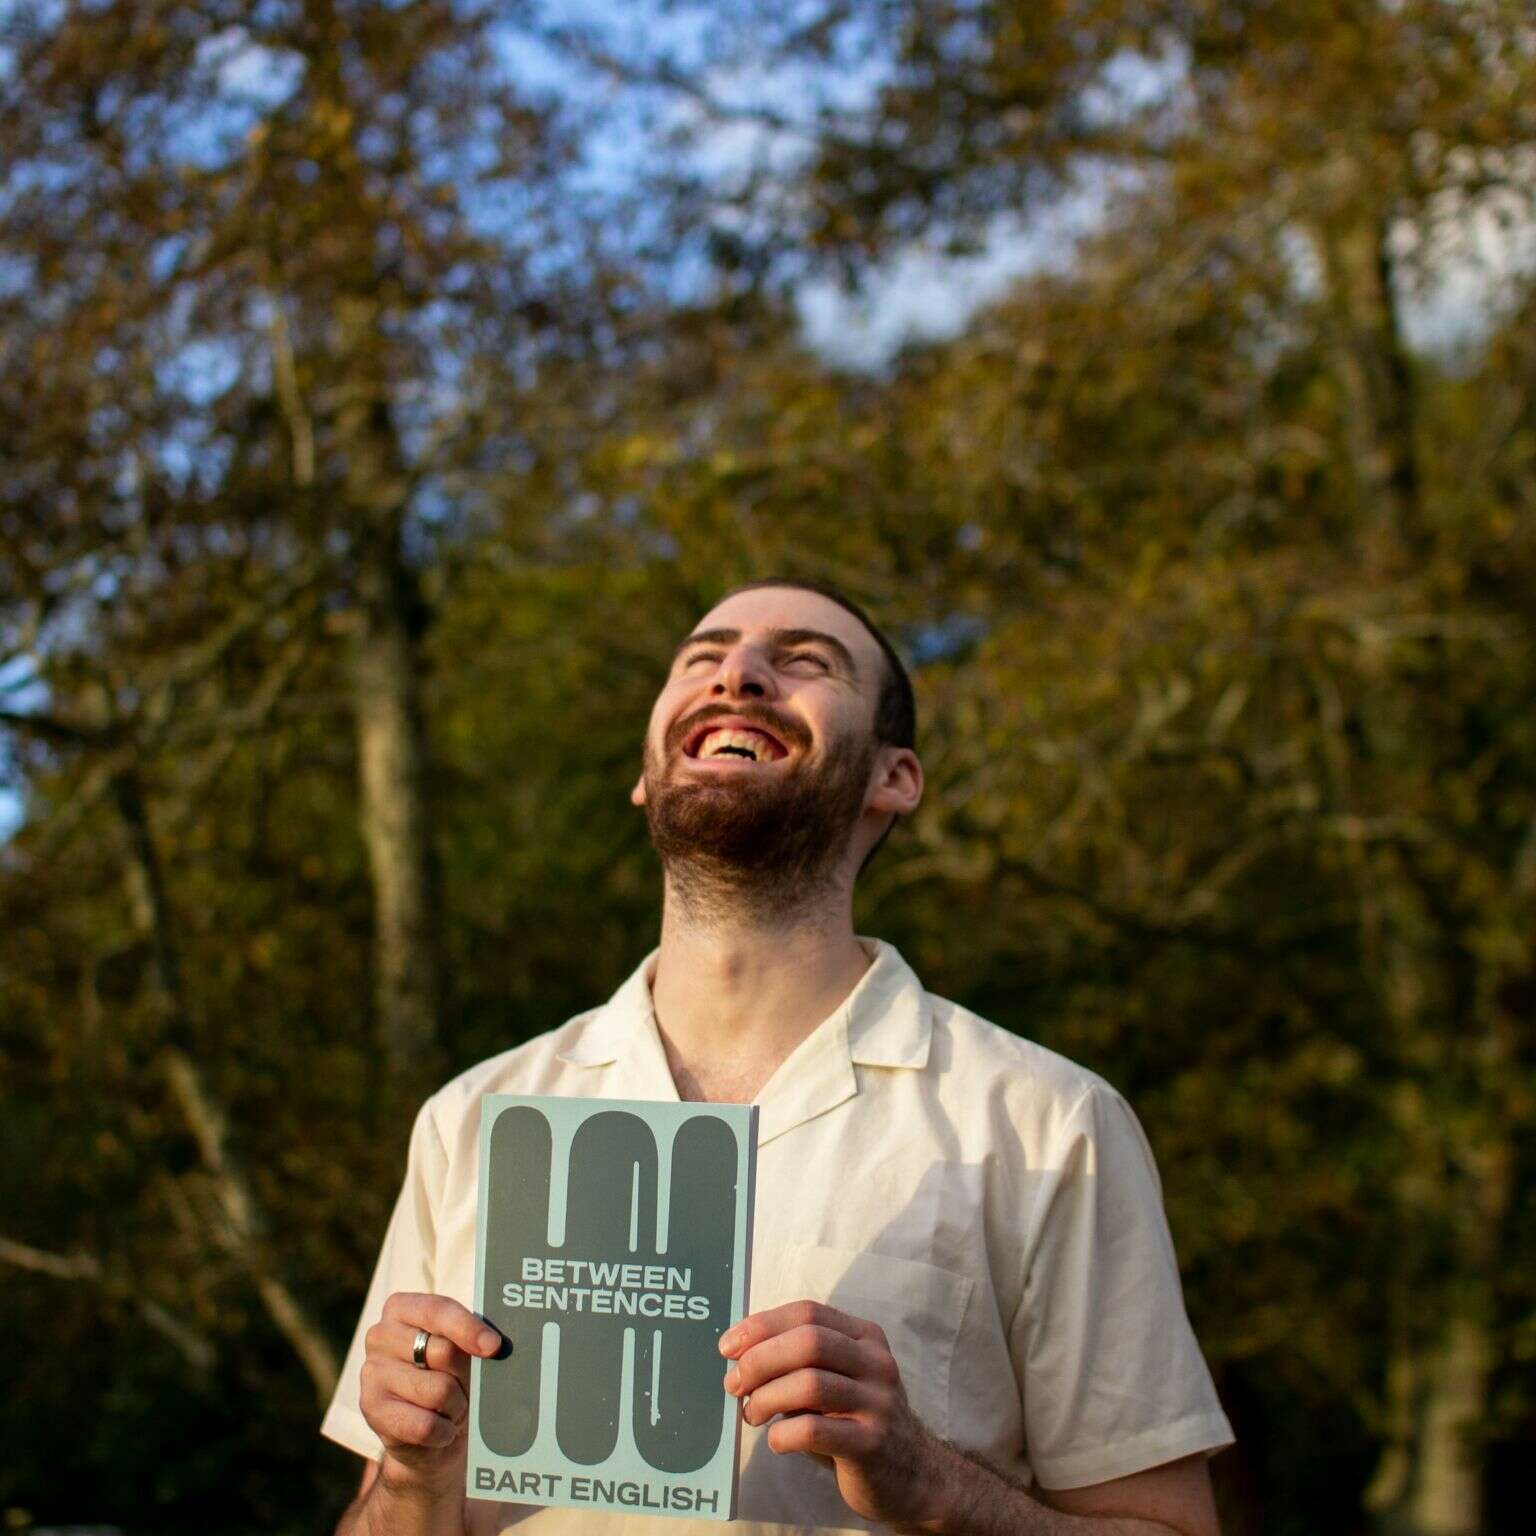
(717, 1082)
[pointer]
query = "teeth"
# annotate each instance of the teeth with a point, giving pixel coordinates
(753, 741)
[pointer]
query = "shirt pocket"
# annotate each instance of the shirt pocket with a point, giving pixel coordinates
(919, 1307)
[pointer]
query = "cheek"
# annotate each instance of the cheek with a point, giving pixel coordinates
(661, 723)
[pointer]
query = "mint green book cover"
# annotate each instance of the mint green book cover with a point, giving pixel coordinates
(614, 1248)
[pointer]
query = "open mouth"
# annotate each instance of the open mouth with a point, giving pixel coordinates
(733, 742)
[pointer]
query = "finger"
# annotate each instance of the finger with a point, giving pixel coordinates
(436, 1391)
(441, 1314)
(397, 1341)
(820, 1436)
(809, 1344)
(758, 1326)
(398, 1422)
(807, 1391)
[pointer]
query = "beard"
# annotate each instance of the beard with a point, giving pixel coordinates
(756, 844)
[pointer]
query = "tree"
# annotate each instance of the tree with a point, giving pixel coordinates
(258, 278)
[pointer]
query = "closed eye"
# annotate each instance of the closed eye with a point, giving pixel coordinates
(821, 661)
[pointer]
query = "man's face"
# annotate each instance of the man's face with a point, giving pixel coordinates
(760, 751)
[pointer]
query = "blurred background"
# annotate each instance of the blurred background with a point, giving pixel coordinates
(386, 387)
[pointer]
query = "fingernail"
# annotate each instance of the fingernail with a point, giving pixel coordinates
(490, 1340)
(732, 1379)
(729, 1340)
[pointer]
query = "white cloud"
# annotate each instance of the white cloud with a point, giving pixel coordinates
(1461, 277)
(924, 295)
(250, 72)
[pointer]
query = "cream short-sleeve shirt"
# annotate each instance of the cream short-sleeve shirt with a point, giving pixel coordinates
(994, 1207)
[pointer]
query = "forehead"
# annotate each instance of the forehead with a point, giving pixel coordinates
(768, 608)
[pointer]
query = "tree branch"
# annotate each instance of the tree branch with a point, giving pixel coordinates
(197, 1350)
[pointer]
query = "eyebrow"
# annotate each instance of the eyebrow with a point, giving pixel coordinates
(783, 639)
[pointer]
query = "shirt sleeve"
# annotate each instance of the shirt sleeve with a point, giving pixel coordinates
(406, 1263)
(1113, 1379)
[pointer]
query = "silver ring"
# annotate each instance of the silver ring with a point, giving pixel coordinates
(419, 1349)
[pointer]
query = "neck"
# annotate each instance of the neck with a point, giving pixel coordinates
(735, 991)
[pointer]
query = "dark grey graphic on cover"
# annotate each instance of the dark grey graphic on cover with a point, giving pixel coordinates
(606, 1276)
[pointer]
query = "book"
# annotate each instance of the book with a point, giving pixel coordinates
(614, 1248)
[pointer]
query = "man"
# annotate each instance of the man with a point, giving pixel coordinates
(967, 1311)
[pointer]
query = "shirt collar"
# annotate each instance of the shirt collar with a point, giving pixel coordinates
(883, 1022)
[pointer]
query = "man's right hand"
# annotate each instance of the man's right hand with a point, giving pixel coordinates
(420, 1413)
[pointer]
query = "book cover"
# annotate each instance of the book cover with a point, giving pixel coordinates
(614, 1248)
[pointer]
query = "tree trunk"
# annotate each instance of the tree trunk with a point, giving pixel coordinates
(389, 614)
(391, 758)
(1430, 1480)
(1371, 361)
(1447, 1488)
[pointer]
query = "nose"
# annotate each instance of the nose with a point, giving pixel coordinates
(743, 673)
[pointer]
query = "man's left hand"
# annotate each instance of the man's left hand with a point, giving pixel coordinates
(833, 1385)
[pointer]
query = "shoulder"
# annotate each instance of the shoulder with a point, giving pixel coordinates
(1026, 1091)
(984, 1054)
(978, 1045)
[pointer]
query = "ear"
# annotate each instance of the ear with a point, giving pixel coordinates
(899, 787)
(637, 794)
